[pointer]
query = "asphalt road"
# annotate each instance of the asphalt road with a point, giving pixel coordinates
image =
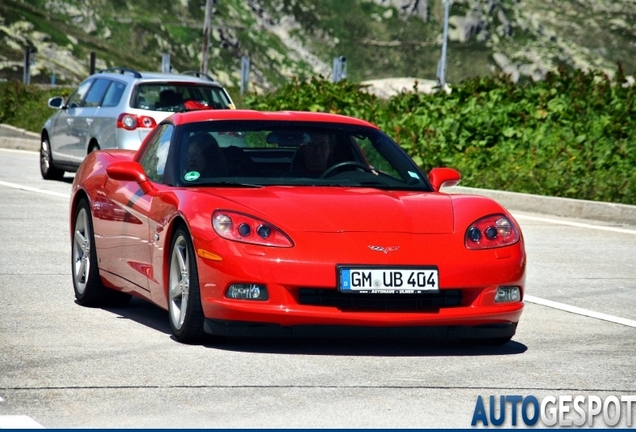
(66, 366)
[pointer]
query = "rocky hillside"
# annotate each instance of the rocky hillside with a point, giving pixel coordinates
(380, 38)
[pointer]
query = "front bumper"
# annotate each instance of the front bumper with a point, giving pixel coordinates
(252, 329)
(301, 285)
(468, 320)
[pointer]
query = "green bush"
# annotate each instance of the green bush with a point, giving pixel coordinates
(571, 135)
(25, 106)
(319, 95)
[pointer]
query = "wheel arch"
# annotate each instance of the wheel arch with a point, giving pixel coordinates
(175, 224)
(188, 326)
(79, 195)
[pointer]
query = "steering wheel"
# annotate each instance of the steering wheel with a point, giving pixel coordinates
(346, 164)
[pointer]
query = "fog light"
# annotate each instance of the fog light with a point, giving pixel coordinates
(247, 292)
(506, 294)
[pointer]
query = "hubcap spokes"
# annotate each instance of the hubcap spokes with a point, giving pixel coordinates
(81, 251)
(44, 156)
(179, 288)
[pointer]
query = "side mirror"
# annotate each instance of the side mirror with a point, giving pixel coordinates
(130, 171)
(56, 102)
(443, 177)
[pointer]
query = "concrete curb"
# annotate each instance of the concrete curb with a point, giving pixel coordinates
(566, 207)
(20, 143)
(14, 138)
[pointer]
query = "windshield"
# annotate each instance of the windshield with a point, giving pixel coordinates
(262, 153)
(179, 97)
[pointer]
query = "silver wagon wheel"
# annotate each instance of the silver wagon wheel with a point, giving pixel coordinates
(47, 167)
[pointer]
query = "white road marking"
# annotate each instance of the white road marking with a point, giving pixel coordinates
(18, 150)
(18, 422)
(580, 311)
(574, 309)
(576, 224)
(32, 189)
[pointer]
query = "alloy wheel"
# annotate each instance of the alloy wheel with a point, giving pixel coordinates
(179, 282)
(81, 251)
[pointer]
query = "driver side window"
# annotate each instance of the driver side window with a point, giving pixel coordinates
(154, 159)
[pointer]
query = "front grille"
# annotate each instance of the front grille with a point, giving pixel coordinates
(379, 302)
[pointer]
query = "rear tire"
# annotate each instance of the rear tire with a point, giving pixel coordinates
(47, 165)
(184, 297)
(88, 286)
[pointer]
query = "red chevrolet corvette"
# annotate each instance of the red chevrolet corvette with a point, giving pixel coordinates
(258, 223)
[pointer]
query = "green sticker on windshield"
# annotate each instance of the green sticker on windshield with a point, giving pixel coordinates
(192, 175)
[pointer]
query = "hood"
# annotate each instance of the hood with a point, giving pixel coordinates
(336, 209)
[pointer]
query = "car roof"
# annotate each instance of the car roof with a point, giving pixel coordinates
(131, 75)
(242, 114)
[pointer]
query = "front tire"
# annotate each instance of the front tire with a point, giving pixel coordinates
(184, 296)
(47, 166)
(88, 287)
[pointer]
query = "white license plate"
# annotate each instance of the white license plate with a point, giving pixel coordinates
(388, 280)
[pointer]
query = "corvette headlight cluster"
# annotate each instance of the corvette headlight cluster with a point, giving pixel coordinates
(248, 229)
(491, 232)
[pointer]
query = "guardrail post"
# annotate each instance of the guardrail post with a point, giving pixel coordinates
(91, 63)
(339, 68)
(165, 63)
(441, 65)
(245, 73)
(26, 73)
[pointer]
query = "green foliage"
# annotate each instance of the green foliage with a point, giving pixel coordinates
(571, 135)
(316, 95)
(25, 106)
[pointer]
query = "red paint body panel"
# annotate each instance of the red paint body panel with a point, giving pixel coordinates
(216, 115)
(327, 225)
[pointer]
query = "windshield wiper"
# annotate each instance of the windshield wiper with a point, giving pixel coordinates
(236, 184)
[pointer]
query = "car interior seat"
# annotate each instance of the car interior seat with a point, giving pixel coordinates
(202, 150)
(168, 98)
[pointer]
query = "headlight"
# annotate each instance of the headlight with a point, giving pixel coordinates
(248, 229)
(491, 232)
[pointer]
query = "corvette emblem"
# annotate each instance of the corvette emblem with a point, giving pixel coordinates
(386, 250)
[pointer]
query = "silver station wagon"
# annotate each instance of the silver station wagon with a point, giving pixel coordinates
(117, 108)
